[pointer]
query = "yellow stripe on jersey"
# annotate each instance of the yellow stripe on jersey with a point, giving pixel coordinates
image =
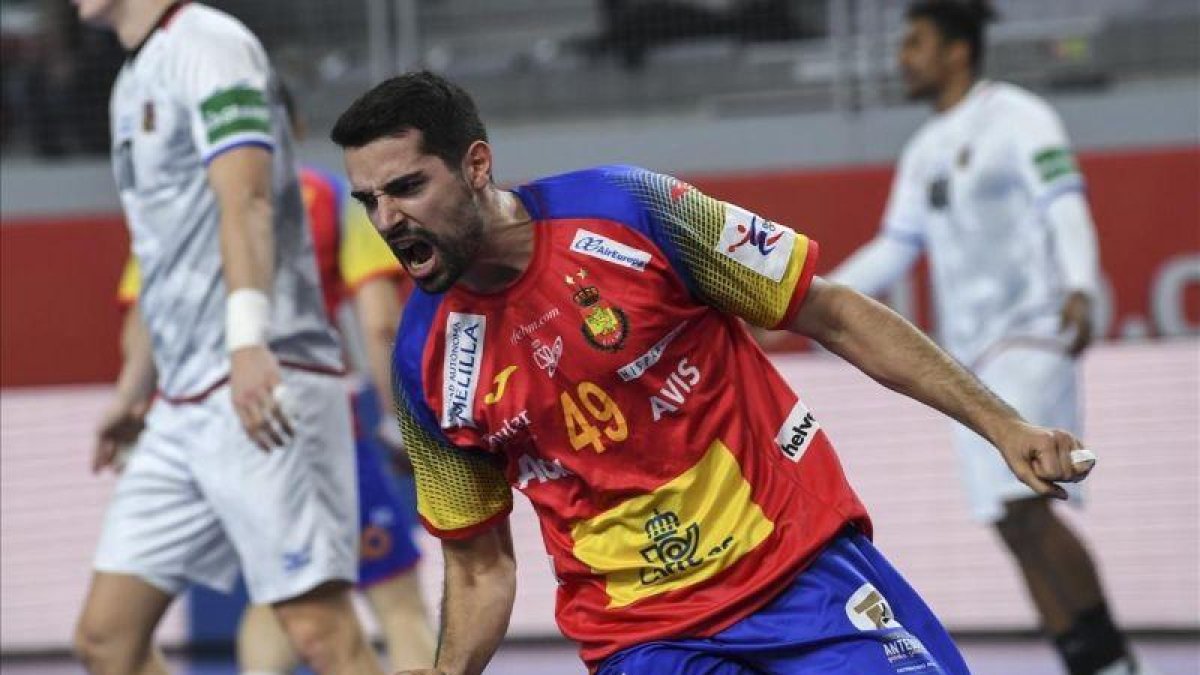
(739, 262)
(363, 254)
(456, 489)
(131, 282)
(686, 531)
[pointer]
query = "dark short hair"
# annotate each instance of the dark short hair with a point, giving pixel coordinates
(957, 20)
(442, 111)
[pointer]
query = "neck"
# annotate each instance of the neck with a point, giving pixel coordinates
(507, 247)
(955, 90)
(133, 20)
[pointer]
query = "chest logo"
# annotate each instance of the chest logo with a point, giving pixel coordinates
(148, 122)
(797, 432)
(460, 368)
(596, 246)
(605, 327)
(512, 429)
(675, 391)
(501, 381)
(546, 356)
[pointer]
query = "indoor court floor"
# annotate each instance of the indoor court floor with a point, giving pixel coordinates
(1169, 656)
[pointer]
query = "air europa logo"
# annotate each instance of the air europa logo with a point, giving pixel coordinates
(596, 246)
(460, 368)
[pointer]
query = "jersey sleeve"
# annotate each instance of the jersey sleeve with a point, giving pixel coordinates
(363, 255)
(1045, 163)
(225, 84)
(904, 215)
(130, 284)
(732, 259)
(459, 492)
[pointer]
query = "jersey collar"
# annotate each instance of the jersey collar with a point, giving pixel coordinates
(163, 19)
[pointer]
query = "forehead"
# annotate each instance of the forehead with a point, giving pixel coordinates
(922, 27)
(383, 159)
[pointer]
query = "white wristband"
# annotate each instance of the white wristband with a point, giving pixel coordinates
(247, 315)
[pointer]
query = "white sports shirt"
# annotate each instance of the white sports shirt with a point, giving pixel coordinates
(198, 86)
(973, 190)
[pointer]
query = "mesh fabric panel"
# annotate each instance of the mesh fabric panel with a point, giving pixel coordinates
(456, 489)
(690, 224)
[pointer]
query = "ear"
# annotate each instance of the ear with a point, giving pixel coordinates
(477, 165)
(959, 53)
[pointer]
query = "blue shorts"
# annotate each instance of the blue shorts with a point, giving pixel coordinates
(849, 612)
(386, 505)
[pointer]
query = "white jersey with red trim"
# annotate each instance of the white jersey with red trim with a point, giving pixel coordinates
(201, 85)
(971, 189)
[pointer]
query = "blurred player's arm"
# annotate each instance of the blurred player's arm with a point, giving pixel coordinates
(894, 353)
(878, 265)
(122, 422)
(372, 273)
(1050, 174)
(241, 179)
(1075, 249)
(377, 304)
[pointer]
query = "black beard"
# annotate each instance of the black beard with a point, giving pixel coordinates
(455, 255)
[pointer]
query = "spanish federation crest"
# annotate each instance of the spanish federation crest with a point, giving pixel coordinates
(604, 326)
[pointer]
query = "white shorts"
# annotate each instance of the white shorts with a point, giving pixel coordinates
(198, 496)
(1041, 385)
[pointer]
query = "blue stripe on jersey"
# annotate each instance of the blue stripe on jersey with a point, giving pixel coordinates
(216, 152)
(603, 192)
(1076, 184)
(407, 378)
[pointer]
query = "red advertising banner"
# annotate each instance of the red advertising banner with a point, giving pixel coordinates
(59, 322)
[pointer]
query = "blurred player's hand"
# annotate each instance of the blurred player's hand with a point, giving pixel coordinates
(1077, 322)
(388, 433)
(119, 428)
(422, 671)
(256, 386)
(1041, 457)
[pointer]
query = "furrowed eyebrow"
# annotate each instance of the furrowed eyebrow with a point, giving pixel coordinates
(395, 186)
(402, 183)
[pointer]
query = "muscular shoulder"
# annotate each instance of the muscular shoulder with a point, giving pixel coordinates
(201, 37)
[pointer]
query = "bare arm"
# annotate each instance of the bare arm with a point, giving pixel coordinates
(377, 303)
(122, 422)
(138, 376)
(894, 353)
(477, 602)
(241, 180)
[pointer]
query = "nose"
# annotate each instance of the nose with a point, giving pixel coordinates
(390, 213)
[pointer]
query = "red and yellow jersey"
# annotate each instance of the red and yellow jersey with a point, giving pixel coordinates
(679, 481)
(348, 250)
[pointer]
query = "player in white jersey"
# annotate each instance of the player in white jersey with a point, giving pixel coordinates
(988, 189)
(245, 455)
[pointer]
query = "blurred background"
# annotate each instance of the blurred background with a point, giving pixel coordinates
(791, 108)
